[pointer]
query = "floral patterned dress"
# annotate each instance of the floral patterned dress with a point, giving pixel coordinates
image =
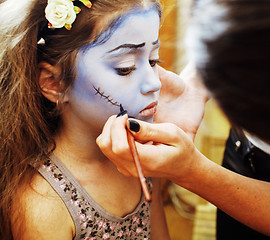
(92, 222)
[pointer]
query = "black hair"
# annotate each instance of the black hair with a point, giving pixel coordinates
(230, 45)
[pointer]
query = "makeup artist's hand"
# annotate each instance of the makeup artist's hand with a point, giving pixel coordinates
(172, 155)
(182, 99)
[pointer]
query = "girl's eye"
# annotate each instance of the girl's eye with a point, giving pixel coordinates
(125, 71)
(154, 62)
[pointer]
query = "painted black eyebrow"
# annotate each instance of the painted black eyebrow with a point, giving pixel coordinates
(132, 46)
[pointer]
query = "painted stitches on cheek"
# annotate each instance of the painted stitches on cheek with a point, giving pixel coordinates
(107, 97)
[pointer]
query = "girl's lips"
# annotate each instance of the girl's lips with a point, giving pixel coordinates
(150, 110)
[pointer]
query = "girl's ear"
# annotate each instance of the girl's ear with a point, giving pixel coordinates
(49, 81)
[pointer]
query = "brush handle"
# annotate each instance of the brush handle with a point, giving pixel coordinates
(136, 159)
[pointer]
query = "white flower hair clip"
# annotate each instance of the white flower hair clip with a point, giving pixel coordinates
(62, 13)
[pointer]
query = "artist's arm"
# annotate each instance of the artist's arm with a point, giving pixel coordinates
(39, 213)
(182, 99)
(173, 156)
(159, 230)
(243, 198)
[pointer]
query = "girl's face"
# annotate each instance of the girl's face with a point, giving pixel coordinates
(120, 71)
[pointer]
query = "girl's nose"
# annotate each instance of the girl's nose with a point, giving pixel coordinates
(150, 81)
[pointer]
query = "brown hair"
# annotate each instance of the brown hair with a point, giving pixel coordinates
(28, 121)
(229, 42)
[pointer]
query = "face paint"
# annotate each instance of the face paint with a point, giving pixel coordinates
(120, 71)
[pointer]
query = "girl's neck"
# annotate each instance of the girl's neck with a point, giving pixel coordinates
(78, 145)
(81, 155)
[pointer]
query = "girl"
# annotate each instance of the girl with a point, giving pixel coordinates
(66, 66)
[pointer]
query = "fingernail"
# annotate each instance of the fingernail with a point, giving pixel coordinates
(134, 126)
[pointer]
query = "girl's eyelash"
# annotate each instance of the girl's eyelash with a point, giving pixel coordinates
(125, 71)
(154, 62)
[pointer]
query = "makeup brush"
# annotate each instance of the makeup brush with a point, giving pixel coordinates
(135, 155)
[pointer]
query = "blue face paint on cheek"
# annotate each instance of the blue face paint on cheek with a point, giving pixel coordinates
(82, 87)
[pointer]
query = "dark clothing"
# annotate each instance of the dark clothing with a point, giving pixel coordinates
(242, 157)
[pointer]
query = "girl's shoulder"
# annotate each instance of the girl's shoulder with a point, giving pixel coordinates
(39, 213)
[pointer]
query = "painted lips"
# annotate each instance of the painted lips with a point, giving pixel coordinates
(150, 110)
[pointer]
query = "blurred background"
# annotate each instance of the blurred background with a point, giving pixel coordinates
(189, 217)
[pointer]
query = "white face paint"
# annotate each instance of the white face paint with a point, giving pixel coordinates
(120, 71)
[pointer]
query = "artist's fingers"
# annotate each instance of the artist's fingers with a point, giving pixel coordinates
(165, 133)
(104, 139)
(171, 149)
(118, 134)
(113, 143)
(162, 158)
(120, 152)
(171, 82)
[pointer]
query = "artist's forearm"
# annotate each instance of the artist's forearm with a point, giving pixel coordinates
(245, 199)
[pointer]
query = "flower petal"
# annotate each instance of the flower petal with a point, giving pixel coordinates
(60, 13)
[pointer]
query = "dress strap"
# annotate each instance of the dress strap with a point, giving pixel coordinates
(62, 186)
